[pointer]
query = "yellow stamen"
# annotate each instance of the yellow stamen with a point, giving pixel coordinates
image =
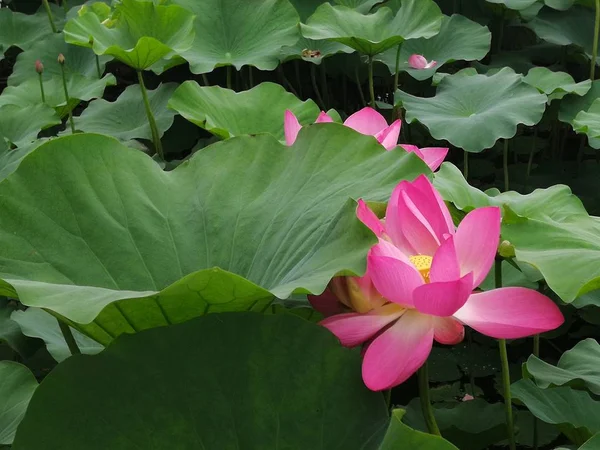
(423, 265)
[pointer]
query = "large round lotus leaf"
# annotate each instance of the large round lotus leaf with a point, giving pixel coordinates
(239, 32)
(374, 33)
(79, 60)
(575, 412)
(555, 84)
(126, 118)
(10, 331)
(241, 221)
(473, 112)
(17, 385)
(532, 221)
(227, 113)
(21, 125)
(80, 88)
(22, 30)
(250, 381)
(571, 106)
(400, 435)
(459, 39)
(143, 32)
(577, 367)
(312, 51)
(514, 4)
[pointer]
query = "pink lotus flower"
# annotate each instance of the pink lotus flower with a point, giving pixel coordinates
(419, 62)
(427, 271)
(370, 122)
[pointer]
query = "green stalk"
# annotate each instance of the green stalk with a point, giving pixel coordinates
(205, 80)
(397, 72)
(359, 86)
(42, 88)
(387, 397)
(49, 12)
(151, 120)
(98, 67)
(250, 77)
(313, 79)
(505, 164)
(531, 153)
(65, 6)
(536, 352)
(505, 370)
(426, 401)
(69, 338)
(466, 164)
(298, 79)
(324, 88)
(229, 77)
(64, 82)
(595, 47)
(371, 87)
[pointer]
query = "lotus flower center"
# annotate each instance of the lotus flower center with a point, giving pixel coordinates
(423, 265)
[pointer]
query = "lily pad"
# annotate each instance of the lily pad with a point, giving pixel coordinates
(17, 385)
(143, 33)
(227, 113)
(22, 30)
(194, 240)
(459, 39)
(555, 84)
(21, 125)
(473, 112)
(530, 222)
(232, 391)
(239, 32)
(126, 117)
(374, 33)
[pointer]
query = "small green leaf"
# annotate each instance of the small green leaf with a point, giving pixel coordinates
(555, 84)
(17, 385)
(10, 332)
(399, 435)
(20, 125)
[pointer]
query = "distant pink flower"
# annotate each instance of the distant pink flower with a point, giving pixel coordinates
(467, 398)
(370, 122)
(427, 271)
(419, 62)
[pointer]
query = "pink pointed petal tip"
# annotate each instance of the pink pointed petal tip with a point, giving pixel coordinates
(419, 62)
(398, 352)
(326, 303)
(389, 136)
(448, 330)
(476, 242)
(353, 329)
(367, 121)
(443, 298)
(510, 313)
(368, 217)
(433, 156)
(323, 118)
(291, 127)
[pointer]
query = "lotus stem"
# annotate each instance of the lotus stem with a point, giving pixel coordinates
(536, 352)
(371, 87)
(505, 164)
(65, 6)
(426, 401)
(313, 79)
(42, 88)
(229, 77)
(69, 338)
(531, 153)
(298, 79)
(595, 46)
(250, 77)
(205, 80)
(387, 397)
(98, 67)
(49, 12)
(61, 63)
(397, 72)
(151, 120)
(358, 85)
(324, 88)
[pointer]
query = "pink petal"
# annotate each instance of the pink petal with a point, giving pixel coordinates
(444, 266)
(368, 217)
(433, 156)
(327, 303)
(415, 227)
(389, 136)
(510, 313)
(393, 221)
(323, 118)
(476, 242)
(417, 62)
(291, 127)
(448, 330)
(353, 329)
(398, 352)
(366, 121)
(394, 279)
(443, 298)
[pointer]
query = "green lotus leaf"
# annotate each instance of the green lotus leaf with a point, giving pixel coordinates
(561, 5)
(22, 30)
(79, 60)
(312, 51)
(586, 122)
(11, 158)
(241, 221)
(306, 8)
(577, 367)
(143, 32)
(80, 88)
(555, 84)
(239, 32)
(517, 5)
(400, 434)
(125, 118)
(21, 125)
(227, 113)
(248, 380)
(374, 33)
(10, 332)
(17, 385)
(459, 39)
(592, 444)
(575, 412)
(530, 222)
(473, 112)
(573, 105)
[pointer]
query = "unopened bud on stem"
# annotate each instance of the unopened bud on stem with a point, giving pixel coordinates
(39, 67)
(506, 249)
(61, 59)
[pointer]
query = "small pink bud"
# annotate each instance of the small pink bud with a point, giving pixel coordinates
(419, 62)
(61, 58)
(39, 67)
(467, 398)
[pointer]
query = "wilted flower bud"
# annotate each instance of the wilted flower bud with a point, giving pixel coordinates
(61, 59)
(39, 67)
(506, 249)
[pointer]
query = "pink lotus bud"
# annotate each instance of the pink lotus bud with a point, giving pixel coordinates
(467, 398)
(39, 67)
(61, 59)
(419, 62)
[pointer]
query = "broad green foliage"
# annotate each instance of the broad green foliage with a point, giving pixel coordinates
(239, 32)
(126, 118)
(317, 50)
(11, 158)
(20, 125)
(530, 222)
(143, 32)
(227, 392)
(374, 33)
(577, 367)
(581, 112)
(267, 225)
(515, 4)
(10, 332)
(400, 434)
(21, 30)
(17, 385)
(555, 84)
(459, 39)
(473, 112)
(226, 113)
